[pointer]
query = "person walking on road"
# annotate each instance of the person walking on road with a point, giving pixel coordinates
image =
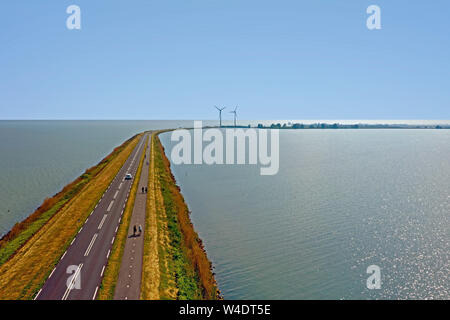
(140, 229)
(142, 189)
(145, 189)
(134, 230)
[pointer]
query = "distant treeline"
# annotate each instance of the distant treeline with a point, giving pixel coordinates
(349, 126)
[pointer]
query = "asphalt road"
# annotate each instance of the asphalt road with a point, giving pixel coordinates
(128, 285)
(78, 274)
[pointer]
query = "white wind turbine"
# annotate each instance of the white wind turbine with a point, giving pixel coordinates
(220, 115)
(235, 115)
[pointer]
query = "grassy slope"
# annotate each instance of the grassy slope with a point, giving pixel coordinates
(108, 285)
(185, 271)
(26, 271)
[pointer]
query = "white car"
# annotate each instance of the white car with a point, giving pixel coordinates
(128, 176)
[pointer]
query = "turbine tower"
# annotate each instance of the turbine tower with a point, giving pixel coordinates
(220, 115)
(235, 115)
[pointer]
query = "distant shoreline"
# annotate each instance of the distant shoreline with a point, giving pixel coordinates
(323, 125)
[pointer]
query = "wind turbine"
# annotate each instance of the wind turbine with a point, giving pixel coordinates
(220, 115)
(235, 115)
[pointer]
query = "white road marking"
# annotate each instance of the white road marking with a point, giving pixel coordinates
(116, 229)
(95, 293)
(90, 245)
(120, 185)
(80, 229)
(52, 272)
(72, 283)
(63, 255)
(107, 256)
(103, 270)
(110, 206)
(112, 241)
(115, 195)
(37, 294)
(72, 241)
(101, 222)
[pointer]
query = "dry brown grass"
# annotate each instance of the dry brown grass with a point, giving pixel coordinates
(26, 271)
(150, 267)
(108, 285)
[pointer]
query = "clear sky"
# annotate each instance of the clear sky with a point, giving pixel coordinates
(175, 59)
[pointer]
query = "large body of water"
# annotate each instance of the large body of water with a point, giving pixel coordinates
(343, 200)
(38, 158)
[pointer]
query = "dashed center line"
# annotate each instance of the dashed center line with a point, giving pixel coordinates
(101, 222)
(110, 206)
(90, 245)
(115, 195)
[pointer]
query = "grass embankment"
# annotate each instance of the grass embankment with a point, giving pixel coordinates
(108, 285)
(184, 268)
(34, 247)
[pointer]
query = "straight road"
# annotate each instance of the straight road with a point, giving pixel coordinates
(128, 285)
(78, 274)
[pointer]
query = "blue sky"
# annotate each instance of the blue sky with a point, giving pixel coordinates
(175, 59)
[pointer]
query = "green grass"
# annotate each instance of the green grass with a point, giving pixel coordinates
(180, 268)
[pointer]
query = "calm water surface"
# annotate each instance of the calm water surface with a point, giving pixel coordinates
(38, 158)
(342, 200)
